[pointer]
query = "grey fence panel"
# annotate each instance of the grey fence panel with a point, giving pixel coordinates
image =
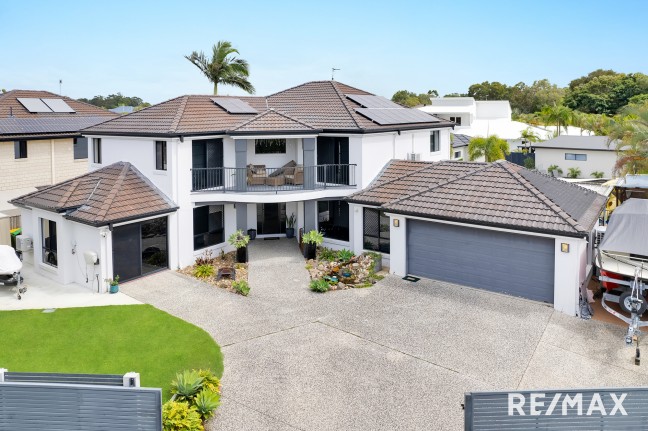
(604, 409)
(50, 406)
(82, 379)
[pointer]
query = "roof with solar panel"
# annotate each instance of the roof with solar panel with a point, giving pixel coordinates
(29, 114)
(313, 107)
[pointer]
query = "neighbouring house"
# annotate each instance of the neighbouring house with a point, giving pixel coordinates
(588, 153)
(494, 226)
(460, 147)
(40, 143)
(230, 163)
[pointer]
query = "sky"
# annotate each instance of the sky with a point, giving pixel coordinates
(138, 47)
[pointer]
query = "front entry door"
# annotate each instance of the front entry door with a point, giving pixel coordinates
(271, 218)
(140, 248)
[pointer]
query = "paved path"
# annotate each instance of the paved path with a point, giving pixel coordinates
(396, 356)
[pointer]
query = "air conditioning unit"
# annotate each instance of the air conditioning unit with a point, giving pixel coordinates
(599, 234)
(414, 157)
(23, 243)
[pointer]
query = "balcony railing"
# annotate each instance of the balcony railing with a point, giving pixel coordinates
(258, 178)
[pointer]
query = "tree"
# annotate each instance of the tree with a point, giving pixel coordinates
(491, 148)
(529, 135)
(410, 99)
(223, 67)
(114, 100)
(585, 79)
(489, 91)
(556, 114)
(607, 94)
(554, 169)
(573, 173)
(630, 133)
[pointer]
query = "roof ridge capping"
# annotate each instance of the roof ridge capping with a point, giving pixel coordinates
(272, 111)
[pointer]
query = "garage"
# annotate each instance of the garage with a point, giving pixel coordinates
(140, 248)
(515, 264)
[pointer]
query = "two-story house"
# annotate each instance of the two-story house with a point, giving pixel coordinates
(200, 167)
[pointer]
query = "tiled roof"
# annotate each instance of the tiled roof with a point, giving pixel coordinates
(320, 105)
(16, 122)
(273, 120)
(117, 192)
(460, 140)
(499, 194)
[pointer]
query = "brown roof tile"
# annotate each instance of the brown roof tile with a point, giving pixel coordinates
(10, 100)
(111, 194)
(497, 194)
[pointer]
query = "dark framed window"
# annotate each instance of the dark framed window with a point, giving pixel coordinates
(456, 120)
(96, 150)
(579, 157)
(48, 242)
(208, 226)
(20, 149)
(333, 219)
(375, 230)
(435, 142)
(80, 148)
(161, 155)
(270, 146)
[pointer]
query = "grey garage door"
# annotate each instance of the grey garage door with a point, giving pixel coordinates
(519, 265)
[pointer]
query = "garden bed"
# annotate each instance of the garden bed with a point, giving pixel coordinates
(207, 266)
(341, 269)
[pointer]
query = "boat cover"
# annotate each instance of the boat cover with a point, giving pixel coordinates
(627, 231)
(9, 262)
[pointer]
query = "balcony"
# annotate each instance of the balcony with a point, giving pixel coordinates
(258, 178)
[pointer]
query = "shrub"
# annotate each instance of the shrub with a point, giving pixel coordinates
(241, 287)
(210, 381)
(206, 403)
(180, 416)
(203, 271)
(319, 285)
(345, 255)
(574, 173)
(313, 237)
(529, 163)
(186, 385)
(597, 174)
(554, 168)
(238, 239)
(205, 258)
(326, 254)
(309, 266)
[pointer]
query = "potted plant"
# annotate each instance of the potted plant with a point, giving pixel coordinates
(114, 284)
(290, 226)
(377, 259)
(240, 241)
(311, 240)
(252, 233)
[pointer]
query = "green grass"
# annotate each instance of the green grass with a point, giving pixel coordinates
(111, 340)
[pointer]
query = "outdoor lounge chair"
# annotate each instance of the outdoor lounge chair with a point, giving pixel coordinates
(256, 175)
(294, 175)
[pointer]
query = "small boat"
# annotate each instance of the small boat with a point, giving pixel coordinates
(10, 267)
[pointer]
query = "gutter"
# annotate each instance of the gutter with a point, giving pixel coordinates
(122, 220)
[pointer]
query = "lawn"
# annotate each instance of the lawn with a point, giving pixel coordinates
(112, 340)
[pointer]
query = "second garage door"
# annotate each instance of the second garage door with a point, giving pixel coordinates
(515, 264)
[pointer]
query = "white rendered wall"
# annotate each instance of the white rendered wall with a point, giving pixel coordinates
(274, 160)
(492, 109)
(602, 161)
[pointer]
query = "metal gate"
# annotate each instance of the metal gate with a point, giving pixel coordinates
(515, 264)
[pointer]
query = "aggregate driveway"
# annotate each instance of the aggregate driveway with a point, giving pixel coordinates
(396, 356)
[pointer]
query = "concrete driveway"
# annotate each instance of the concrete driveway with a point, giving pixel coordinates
(396, 356)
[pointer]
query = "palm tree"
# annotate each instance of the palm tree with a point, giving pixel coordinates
(491, 148)
(630, 132)
(222, 67)
(557, 114)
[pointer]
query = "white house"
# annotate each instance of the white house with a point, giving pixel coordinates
(221, 164)
(494, 226)
(589, 154)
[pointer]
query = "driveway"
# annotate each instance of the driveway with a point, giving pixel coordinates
(396, 356)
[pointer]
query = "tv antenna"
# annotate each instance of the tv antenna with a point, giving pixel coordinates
(333, 69)
(60, 85)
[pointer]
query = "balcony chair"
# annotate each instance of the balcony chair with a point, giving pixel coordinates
(256, 175)
(294, 175)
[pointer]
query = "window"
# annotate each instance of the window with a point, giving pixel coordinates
(333, 219)
(96, 150)
(434, 142)
(48, 242)
(579, 157)
(20, 149)
(208, 226)
(457, 154)
(456, 120)
(270, 146)
(80, 148)
(161, 155)
(375, 230)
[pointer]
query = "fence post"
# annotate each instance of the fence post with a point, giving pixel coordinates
(131, 380)
(2, 374)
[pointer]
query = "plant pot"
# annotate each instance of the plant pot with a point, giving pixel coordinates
(241, 255)
(252, 233)
(310, 250)
(378, 264)
(114, 288)
(290, 232)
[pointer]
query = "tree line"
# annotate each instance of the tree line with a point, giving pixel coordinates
(115, 100)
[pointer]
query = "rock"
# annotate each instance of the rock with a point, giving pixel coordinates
(341, 285)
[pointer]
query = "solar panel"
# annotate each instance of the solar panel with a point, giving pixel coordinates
(368, 101)
(58, 105)
(234, 106)
(33, 104)
(396, 116)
